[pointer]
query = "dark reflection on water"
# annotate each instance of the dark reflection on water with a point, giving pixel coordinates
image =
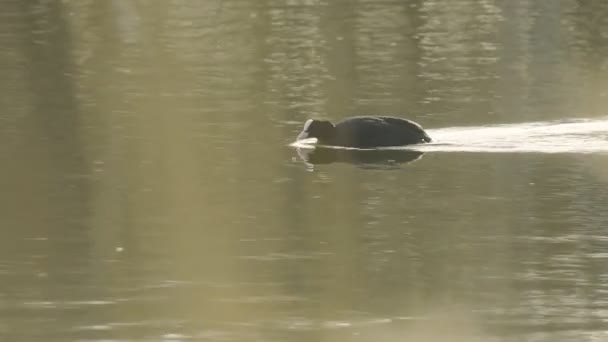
(148, 192)
(326, 155)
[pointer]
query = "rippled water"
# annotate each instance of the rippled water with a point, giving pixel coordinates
(563, 136)
(150, 192)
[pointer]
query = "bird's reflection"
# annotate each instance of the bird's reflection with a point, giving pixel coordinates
(323, 155)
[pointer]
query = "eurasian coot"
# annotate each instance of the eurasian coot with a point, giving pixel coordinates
(365, 132)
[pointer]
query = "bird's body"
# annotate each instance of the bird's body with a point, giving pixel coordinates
(365, 132)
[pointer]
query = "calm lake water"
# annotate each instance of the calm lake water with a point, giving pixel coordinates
(149, 190)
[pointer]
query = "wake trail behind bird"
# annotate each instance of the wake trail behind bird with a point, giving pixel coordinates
(563, 136)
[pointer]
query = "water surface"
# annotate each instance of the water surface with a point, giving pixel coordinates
(150, 192)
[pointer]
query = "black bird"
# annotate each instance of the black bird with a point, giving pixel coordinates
(365, 132)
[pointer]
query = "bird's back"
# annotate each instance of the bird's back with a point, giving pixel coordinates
(372, 131)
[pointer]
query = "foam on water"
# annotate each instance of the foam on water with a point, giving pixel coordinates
(564, 136)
